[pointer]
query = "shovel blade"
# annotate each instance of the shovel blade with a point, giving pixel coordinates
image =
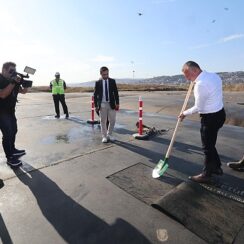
(160, 168)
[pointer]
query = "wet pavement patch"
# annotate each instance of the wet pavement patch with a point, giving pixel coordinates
(214, 218)
(137, 180)
(73, 135)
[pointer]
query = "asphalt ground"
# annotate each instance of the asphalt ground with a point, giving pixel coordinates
(62, 194)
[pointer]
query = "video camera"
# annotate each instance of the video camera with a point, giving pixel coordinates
(23, 82)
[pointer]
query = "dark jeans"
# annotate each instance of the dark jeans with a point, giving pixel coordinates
(60, 98)
(210, 125)
(8, 126)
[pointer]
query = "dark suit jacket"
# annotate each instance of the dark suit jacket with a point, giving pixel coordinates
(113, 93)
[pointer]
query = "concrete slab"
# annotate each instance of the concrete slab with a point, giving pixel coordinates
(65, 169)
(73, 202)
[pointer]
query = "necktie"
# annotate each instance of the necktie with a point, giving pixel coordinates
(106, 90)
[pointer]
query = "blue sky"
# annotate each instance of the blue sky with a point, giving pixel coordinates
(76, 37)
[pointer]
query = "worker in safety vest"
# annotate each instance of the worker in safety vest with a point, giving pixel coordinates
(58, 86)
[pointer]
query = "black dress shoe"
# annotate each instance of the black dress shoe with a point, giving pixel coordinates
(14, 162)
(19, 150)
(1, 183)
(236, 165)
(218, 171)
(18, 153)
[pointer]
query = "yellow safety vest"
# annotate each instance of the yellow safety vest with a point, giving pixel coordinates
(57, 87)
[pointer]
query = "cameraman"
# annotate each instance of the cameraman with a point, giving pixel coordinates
(9, 89)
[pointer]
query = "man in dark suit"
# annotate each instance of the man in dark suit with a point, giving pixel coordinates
(106, 99)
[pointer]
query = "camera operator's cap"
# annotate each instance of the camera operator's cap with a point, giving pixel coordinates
(57, 74)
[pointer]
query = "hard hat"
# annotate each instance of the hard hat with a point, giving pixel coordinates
(57, 74)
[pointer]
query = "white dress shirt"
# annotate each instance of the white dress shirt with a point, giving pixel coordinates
(104, 96)
(207, 93)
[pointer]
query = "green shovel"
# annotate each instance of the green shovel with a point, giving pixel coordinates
(162, 165)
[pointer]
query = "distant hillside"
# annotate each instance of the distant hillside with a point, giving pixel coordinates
(118, 81)
(232, 77)
(227, 77)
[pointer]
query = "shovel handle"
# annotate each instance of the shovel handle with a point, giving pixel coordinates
(178, 121)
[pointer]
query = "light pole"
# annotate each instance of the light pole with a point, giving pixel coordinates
(133, 69)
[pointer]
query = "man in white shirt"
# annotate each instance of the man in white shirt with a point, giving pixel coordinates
(106, 99)
(209, 104)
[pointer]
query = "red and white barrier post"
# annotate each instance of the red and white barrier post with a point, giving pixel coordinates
(92, 108)
(140, 116)
(140, 134)
(92, 120)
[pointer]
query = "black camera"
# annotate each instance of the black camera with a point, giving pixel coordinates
(24, 83)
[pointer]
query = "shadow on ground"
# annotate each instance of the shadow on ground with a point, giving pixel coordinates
(179, 164)
(4, 235)
(74, 223)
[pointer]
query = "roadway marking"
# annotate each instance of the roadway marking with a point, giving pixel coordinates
(227, 191)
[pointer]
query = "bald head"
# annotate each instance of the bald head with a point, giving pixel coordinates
(191, 70)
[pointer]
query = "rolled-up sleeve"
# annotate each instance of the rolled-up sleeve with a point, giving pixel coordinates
(200, 93)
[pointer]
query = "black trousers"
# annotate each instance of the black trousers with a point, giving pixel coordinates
(8, 127)
(60, 98)
(210, 125)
